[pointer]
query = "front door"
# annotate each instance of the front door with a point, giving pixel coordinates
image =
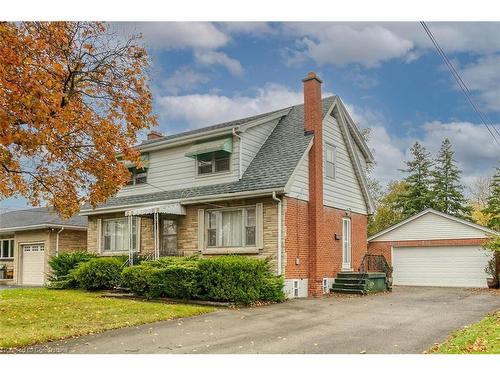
(346, 243)
(168, 237)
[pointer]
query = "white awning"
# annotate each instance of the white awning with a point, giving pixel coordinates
(172, 208)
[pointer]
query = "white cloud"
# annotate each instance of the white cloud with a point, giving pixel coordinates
(370, 44)
(178, 35)
(184, 79)
(207, 57)
(253, 28)
(341, 43)
(483, 76)
(213, 108)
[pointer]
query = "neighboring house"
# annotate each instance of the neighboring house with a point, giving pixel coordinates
(434, 249)
(288, 185)
(29, 237)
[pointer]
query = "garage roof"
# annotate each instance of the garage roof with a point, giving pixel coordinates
(38, 218)
(429, 225)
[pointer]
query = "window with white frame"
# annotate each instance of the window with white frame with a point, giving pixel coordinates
(330, 152)
(213, 162)
(7, 249)
(296, 288)
(235, 227)
(115, 234)
(325, 285)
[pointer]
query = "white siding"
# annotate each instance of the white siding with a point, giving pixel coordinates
(253, 139)
(300, 184)
(170, 169)
(431, 227)
(344, 191)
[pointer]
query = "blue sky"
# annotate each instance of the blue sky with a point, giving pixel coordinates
(388, 74)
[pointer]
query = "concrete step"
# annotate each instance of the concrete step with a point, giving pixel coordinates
(350, 281)
(335, 289)
(349, 286)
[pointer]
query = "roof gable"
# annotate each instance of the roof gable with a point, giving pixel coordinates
(431, 225)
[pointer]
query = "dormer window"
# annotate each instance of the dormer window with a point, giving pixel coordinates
(212, 156)
(213, 162)
(137, 176)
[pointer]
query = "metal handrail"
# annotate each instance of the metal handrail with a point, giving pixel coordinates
(375, 263)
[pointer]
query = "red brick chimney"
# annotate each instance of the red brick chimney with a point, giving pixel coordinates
(153, 134)
(313, 122)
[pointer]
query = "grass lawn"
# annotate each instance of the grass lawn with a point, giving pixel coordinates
(481, 337)
(31, 316)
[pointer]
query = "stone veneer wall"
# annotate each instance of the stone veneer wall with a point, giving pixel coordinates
(187, 229)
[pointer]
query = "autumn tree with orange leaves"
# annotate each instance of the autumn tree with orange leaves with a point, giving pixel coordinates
(72, 97)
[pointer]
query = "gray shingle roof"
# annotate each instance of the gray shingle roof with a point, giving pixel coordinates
(271, 168)
(37, 216)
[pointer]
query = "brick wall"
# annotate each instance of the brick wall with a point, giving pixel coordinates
(384, 247)
(328, 250)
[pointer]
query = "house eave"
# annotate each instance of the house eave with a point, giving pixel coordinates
(41, 226)
(186, 201)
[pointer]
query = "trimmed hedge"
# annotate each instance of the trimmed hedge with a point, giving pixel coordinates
(227, 278)
(98, 273)
(64, 263)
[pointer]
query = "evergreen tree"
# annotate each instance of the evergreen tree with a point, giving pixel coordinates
(387, 213)
(492, 208)
(417, 195)
(447, 192)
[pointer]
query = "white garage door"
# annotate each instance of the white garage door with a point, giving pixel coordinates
(459, 266)
(33, 263)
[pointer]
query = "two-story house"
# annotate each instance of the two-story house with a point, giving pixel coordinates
(289, 185)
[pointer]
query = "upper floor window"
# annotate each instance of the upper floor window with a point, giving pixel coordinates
(213, 162)
(330, 161)
(6, 249)
(138, 176)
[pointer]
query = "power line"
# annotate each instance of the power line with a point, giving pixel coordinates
(461, 83)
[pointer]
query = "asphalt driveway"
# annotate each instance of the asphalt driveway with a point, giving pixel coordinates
(408, 320)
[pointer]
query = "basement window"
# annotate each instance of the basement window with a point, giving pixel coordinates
(325, 285)
(296, 288)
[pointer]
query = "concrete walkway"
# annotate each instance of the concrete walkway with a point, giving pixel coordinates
(408, 320)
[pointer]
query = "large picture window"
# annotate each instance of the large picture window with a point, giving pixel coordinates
(7, 249)
(231, 227)
(115, 234)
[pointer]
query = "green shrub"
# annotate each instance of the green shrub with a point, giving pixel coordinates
(138, 279)
(64, 263)
(271, 289)
(169, 261)
(233, 278)
(98, 273)
(226, 278)
(174, 281)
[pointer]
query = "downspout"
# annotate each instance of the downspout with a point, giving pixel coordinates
(280, 266)
(240, 152)
(57, 240)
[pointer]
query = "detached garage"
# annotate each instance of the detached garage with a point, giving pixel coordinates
(434, 249)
